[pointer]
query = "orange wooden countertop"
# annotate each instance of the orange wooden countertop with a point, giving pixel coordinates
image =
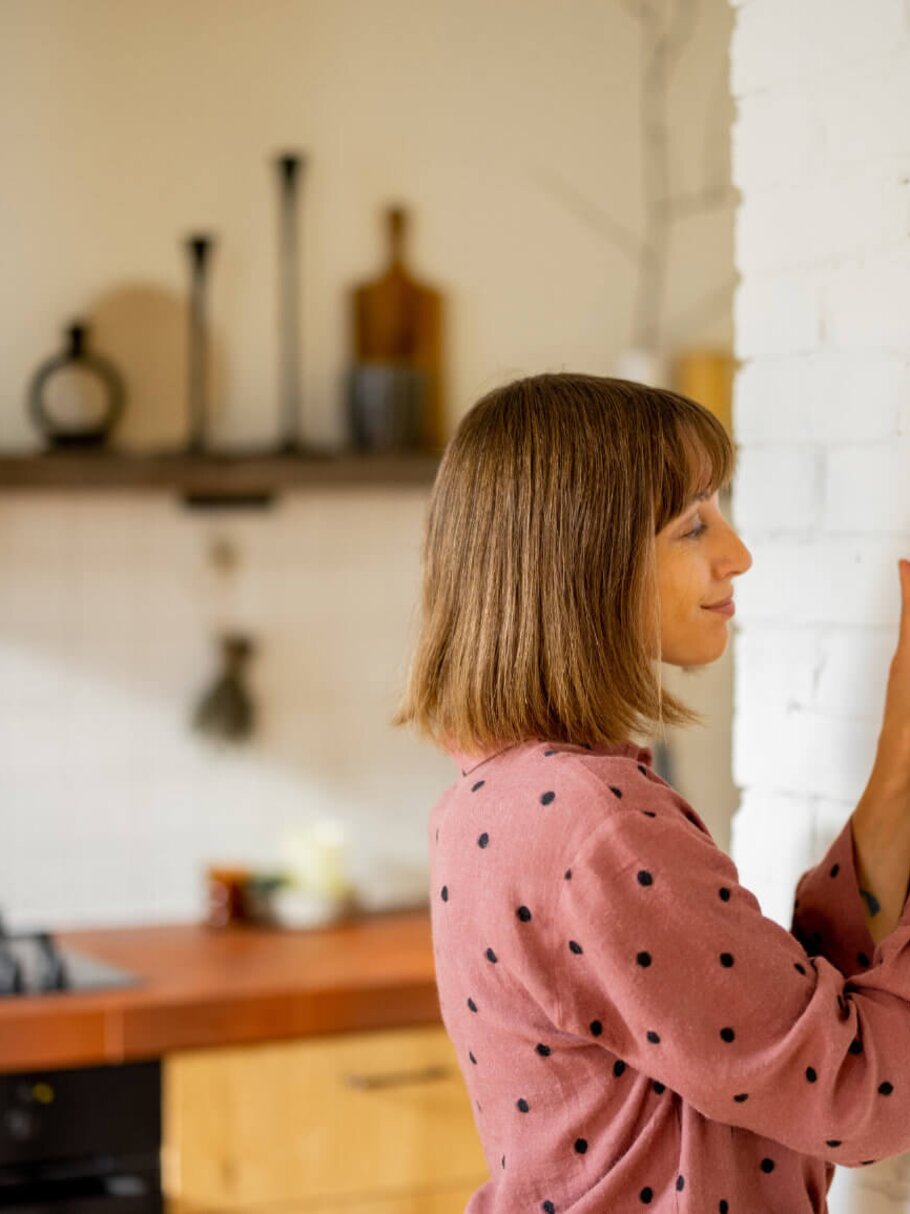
(203, 986)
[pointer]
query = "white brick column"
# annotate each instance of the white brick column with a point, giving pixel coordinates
(821, 416)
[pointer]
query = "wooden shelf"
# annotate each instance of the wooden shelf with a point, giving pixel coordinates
(235, 479)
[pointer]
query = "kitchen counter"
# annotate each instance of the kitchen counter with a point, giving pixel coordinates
(203, 986)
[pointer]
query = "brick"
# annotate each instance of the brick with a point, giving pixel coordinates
(778, 313)
(866, 303)
(810, 580)
(850, 212)
(824, 38)
(867, 489)
(772, 843)
(853, 668)
(865, 115)
(776, 140)
(813, 754)
(827, 397)
(777, 487)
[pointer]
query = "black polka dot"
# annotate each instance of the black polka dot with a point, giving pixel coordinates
(483, 840)
(653, 1037)
(811, 1074)
(479, 784)
(680, 1184)
(575, 946)
(445, 893)
(522, 1104)
(523, 914)
(658, 1087)
(643, 959)
(471, 1056)
(618, 1067)
(727, 1034)
(723, 1208)
(726, 959)
(547, 797)
(617, 792)
(767, 1165)
(490, 955)
(645, 1196)
(886, 1088)
(724, 894)
(835, 870)
(543, 1050)
(644, 877)
(741, 1098)
(832, 1142)
(548, 1208)
(472, 1005)
(568, 874)
(596, 1028)
(856, 1046)
(581, 1145)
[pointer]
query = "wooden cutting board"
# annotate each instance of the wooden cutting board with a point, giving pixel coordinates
(397, 321)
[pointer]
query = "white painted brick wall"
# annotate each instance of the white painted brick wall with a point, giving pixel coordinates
(821, 156)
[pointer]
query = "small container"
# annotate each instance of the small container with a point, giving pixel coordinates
(226, 895)
(386, 404)
(75, 368)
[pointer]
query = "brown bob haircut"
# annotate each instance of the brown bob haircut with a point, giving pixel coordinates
(539, 596)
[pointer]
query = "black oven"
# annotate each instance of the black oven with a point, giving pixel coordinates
(81, 1141)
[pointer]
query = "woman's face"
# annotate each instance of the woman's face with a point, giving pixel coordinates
(698, 556)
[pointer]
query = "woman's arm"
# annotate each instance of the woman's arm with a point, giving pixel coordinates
(880, 825)
(881, 821)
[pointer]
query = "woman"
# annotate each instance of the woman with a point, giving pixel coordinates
(631, 1029)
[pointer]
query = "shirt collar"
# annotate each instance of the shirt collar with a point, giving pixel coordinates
(467, 761)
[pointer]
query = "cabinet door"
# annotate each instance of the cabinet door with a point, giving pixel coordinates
(340, 1117)
(437, 1201)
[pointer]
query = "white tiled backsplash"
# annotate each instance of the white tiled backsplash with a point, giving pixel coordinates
(109, 611)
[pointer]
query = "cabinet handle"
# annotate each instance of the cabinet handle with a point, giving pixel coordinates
(394, 1078)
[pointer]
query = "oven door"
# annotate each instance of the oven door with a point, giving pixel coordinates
(100, 1186)
(81, 1141)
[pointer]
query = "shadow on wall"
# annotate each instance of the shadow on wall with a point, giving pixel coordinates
(144, 330)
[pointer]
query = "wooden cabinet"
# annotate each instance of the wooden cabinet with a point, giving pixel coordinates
(364, 1123)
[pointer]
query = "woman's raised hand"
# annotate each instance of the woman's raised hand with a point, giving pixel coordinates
(892, 757)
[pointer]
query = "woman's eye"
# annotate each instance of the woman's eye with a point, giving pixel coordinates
(694, 534)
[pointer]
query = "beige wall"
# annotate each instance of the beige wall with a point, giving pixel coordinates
(511, 130)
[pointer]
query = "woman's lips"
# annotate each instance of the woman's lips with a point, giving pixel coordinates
(728, 608)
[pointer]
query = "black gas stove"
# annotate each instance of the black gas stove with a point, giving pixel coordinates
(33, 963)
(81, 1140)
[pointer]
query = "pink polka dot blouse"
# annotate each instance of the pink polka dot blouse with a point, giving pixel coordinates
(632, 1030)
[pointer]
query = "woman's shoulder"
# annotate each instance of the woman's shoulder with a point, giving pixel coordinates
(577, 784)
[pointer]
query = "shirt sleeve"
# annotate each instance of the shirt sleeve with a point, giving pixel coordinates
(829, 911)
(668, 962)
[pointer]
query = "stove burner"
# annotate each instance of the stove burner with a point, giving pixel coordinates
(32, 963)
